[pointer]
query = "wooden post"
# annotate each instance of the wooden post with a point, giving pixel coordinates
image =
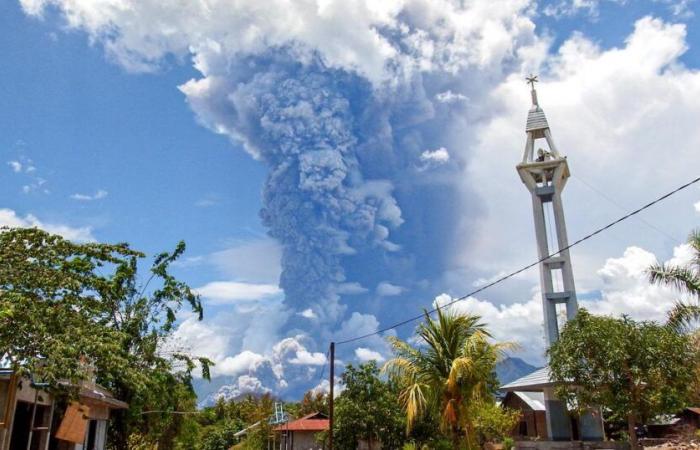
(330, 397)
(33, 418)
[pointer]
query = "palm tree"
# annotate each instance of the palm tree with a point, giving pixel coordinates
(685, 279)
(449, 374)
(684, 314)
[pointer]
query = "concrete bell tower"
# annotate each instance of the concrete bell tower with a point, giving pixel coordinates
(545, 172)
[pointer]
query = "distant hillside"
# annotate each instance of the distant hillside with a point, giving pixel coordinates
(513, 368)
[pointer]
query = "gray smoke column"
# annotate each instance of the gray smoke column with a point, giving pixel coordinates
(332, 97)
(317, 202)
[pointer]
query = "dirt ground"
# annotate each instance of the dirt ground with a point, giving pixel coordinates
(676, 445)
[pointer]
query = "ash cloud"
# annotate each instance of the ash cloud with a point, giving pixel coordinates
(339, 101)
(337, 148)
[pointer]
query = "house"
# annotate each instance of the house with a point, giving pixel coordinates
(301, 434)
(533, 420)
(540, 382)
(31, 418)
(685, 423)
(690, 418)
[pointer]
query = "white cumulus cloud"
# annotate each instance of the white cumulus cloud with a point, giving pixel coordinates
(437, 156)
(16, 166)
(9, 218)
(365, 354)
(450, 97)
(227, 292)
(611, 111)
(440, 35)
(386, 289)
(308, 313)
(100, 194)
(622, 287)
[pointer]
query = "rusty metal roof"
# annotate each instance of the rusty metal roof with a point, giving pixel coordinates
(311, 422)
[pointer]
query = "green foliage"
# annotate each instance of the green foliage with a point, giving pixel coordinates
(695, 389)
(494, 423)
(508, 443)
(51, 310)
(66, 308)
(448, 377)
(634, 370)
(367, 410)
(217, 424)
(312, 403)
(257, 438)
(220, 438)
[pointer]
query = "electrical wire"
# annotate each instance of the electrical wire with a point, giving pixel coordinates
(623, 208)
(524, 268)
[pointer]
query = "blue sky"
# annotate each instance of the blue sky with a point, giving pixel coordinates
(366, 153)
(88, 126)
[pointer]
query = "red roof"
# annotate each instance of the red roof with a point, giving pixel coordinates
(312, 422)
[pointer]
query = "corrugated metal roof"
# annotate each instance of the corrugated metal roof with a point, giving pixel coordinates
(536, 120)
(245, 430)
(534, 381)
(535, 400)
(305, 425)
(102, 396)
(311, 422)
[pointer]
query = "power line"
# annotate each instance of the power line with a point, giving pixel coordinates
(524, 268)
(623, 208)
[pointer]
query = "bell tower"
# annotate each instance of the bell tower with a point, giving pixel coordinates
(544, 172)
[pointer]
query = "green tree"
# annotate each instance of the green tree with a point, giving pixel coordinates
(687, 280)
(634, 370)
(495, 423)
(68, 308)
(313, 402)
(449, 375)
(221, 437)
(51, 314)
(367, 410)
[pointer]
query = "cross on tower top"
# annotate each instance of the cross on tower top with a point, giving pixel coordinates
(531, 80)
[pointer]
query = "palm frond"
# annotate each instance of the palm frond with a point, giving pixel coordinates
(683, 316)
(461, 368)
(413, 400)
(684, 279)
(399, 368)
(694, 242)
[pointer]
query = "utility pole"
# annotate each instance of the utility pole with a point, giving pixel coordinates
(330, 397)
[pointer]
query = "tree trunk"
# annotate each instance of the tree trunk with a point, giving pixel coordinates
(455, 437)
(631, 422)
